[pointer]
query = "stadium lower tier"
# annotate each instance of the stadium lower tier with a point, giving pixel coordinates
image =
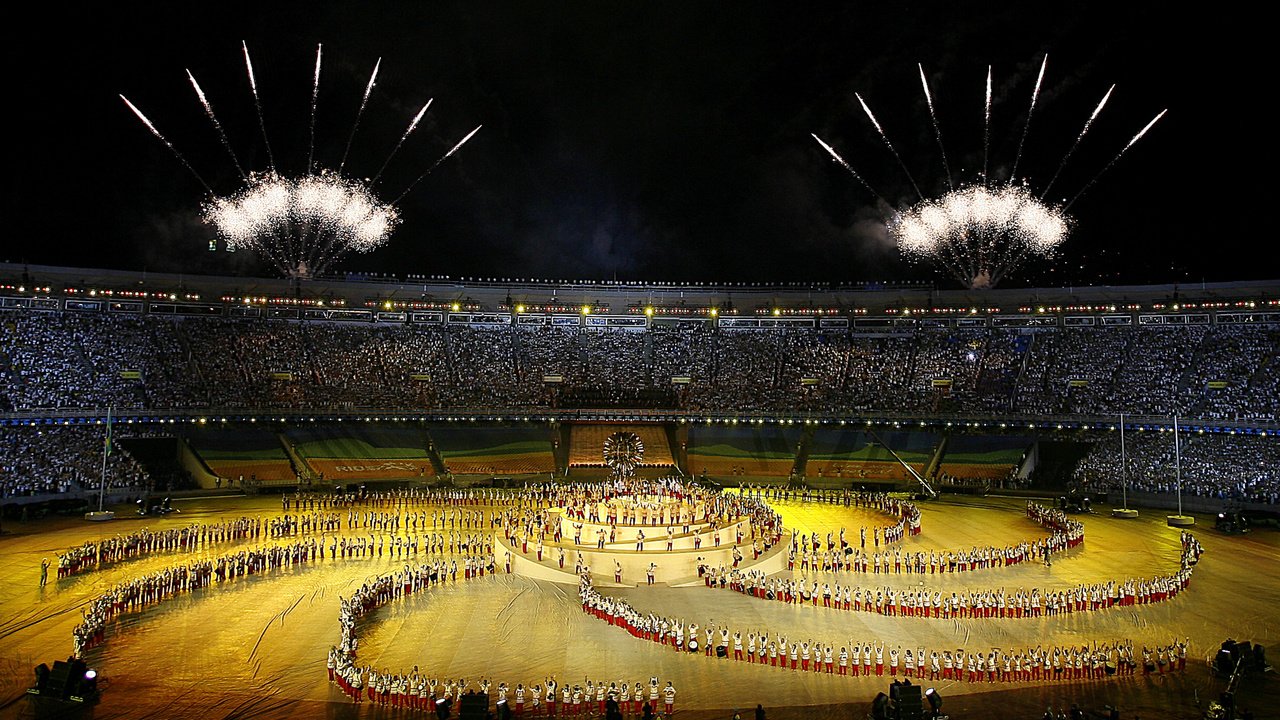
(41, 461)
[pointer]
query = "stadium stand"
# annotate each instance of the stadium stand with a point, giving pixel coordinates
(59, 361)
(855, 454)
(342, 453)
(1226, 467)
(243, 454)
(44, 460)
(62, 360)
(981, 459)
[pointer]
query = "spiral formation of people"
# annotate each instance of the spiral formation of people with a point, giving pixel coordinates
(620, 597)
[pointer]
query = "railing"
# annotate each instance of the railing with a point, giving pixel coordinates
(901, 420)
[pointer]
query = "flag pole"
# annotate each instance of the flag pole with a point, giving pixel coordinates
(1177, 461)
(1124, 467)
(1178, 520)
(106, 450)
(1123, 512)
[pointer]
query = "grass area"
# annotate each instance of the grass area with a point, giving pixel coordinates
(355, 448)
(513, 464)
(264, 470)
(719, 465)
(526, 447)
(729, 451)
(870, 453)
(452, 439)
(245, 454)
(1010, 456)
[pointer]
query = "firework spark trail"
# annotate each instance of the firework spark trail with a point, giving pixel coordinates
(303, 224)
(253, 85)
(1119, 155)
(986, 131)
(373, 79)
(836, 157)
(937, 129)
(222, 135)
(166, 142)
(408, 131)
(980, 232)
(888, 144)
(1087, 124)
(436, 164)
(1035, 94)
(315, 98)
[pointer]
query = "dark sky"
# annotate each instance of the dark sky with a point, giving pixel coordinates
(643, 140)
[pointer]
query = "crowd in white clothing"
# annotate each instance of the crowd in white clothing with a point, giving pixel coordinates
(60, 459)
(68, 359)
(1225, 467)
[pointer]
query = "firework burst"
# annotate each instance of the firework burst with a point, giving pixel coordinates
(302, 225)
(982, 231)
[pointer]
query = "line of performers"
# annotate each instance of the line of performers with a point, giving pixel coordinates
(98, 554)
(809, 553)
(95, 554)
(416, 690)
(990, 603)
(922, 602)
(400, 498)
(875, 658)
(139, 593)
(309, 518)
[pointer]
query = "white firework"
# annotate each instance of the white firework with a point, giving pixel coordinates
(303, 224)
(980, 233)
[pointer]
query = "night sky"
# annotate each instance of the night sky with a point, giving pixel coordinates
(647, 141)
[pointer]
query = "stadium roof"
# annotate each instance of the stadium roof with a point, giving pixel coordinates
(745, 298)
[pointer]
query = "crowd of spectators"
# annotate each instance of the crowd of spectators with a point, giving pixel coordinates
(68, 360)
(1243, 468)
(88, 361)
(60, 459)
(1236, 376)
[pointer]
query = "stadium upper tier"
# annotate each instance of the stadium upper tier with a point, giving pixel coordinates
(69, 359)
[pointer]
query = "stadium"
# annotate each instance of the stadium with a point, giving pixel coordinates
(339, 377)
(237, 393)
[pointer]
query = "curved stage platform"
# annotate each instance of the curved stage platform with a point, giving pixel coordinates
(630, 537)
(674, 568)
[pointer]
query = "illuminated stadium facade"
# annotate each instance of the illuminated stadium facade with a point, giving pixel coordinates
(284, 482)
